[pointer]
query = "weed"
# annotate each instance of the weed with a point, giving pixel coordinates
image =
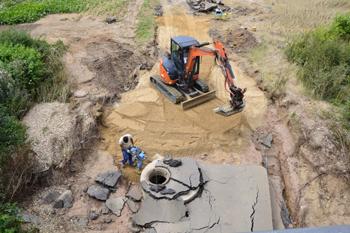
(64, 19)
(44, 129)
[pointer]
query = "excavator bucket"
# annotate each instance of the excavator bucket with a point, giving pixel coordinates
(227, 109)
(198, 100)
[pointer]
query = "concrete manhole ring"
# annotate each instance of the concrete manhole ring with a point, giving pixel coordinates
(157, 175)
(80, 93)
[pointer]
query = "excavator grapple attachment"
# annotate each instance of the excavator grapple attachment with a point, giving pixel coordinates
(198, 100)
(227, 109)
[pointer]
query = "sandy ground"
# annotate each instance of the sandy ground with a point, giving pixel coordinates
(159, 126)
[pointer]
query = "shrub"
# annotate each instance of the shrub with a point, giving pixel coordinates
(9, 222)
(324, 59)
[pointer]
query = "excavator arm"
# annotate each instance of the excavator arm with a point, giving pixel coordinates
(221, 60)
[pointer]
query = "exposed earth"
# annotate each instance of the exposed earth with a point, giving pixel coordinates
(104, 61)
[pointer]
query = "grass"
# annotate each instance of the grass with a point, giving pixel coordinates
(300, 15)
(269, 59)
(146, 26)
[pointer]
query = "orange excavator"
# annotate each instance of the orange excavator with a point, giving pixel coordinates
(179, 75)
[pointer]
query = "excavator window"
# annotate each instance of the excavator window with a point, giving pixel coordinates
(175, 49)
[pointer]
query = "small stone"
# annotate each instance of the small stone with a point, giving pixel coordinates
(105, 209)
(108, 220)
(58, 204)
(51, 197)
(53, 212)
(28, 217)
(93, 216)
(85, 189)
(267, 141)
(83, 221)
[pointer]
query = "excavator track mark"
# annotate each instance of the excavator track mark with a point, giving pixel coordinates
(170, 92)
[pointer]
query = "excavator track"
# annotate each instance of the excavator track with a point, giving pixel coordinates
(201, 85)
(170, 92)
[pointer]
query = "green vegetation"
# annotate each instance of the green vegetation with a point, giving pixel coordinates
(324, 59)
(27, 11)
(31, 71)
(146, 25)
(32, 10)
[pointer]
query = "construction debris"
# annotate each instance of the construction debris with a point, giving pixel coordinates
(207, 5)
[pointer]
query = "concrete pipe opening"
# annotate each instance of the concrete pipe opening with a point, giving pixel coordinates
(158, 176)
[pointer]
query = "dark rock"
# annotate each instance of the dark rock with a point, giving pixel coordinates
(111, 21)
(98, 192)
(109, 179)
(51, 197)
(93, 216)
(132, 205)
(64, 200)
(135, 194)
(58, 204)
(152, 210)
(168, 191)
(134, 229)
(28, 217)
(157, 188)
(116, 205)
(85, 189)
(175, 163)
(105, 209)
(267, 141)
(108, 220)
